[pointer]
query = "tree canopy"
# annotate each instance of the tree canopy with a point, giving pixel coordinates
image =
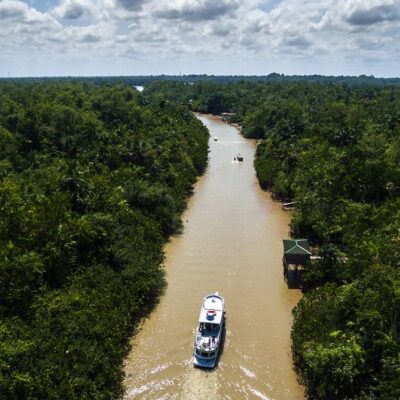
(93, 180)
(333, 149)
(92, 183)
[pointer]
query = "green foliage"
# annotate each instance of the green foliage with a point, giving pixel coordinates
(334, 151)
(335, 159)
(93, 182)
(361, 80)
(341, 360)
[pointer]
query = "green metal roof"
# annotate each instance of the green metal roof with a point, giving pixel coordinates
(296, 251)
(296, 246)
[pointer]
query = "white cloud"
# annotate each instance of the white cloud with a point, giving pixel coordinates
(74, 9)
(273, 32)
(298, 41)
(223, 29)
(131, 5)
(10, 9)
(21, 24)
(96, 33)
(371, 12)
(197, 10)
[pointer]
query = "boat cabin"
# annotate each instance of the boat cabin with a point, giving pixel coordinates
(211, 312)
(209, 332)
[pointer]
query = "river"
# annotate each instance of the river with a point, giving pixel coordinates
(231, 243)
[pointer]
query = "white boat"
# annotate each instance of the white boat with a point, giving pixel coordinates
(239, 157)
(209, 333)
(215, 139)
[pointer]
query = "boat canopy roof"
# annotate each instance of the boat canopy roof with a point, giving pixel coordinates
(212, 310)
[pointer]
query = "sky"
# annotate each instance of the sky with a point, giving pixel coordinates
(220, 37)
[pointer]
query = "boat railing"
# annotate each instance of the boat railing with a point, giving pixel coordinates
(210, 344)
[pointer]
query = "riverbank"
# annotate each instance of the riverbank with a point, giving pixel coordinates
(231, 243)
(87, 204)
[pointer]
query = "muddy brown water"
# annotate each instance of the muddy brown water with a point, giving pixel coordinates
(231, 243)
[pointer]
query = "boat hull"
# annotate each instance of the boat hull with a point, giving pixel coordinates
(209, 334)
(208, 363)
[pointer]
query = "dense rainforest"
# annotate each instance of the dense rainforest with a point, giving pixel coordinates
(274, 77)
(93, 180)
(92, 183)
(334, 150)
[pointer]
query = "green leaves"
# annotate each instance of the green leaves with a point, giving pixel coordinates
(342, 361)
(93, 184)
(334, 150)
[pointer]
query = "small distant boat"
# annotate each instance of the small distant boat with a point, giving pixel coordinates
(207, 342)
(215, 139)
(239, 157)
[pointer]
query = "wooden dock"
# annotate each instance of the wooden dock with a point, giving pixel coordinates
(288, 206)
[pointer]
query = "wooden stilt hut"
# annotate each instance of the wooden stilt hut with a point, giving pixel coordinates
(296, 254)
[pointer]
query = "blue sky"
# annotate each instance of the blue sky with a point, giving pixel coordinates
(134, 37)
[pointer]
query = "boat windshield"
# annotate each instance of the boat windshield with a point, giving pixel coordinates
(207, 328)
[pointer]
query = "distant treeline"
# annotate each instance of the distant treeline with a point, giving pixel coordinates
(92, 183)
(360, 80)
(335, 151)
